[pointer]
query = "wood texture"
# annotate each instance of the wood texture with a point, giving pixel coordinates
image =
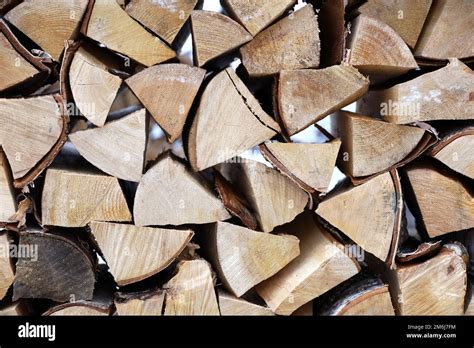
(164, 18)
(243, 258)
(168, 92)
(110, 25)
(191, 290)
(7, 273)
(214, 35)
(59, 20)
(373, 227)
(7, 193)
(73, 199)
(170, 194)
(321, 265)
(304, 96)
(135, 253)
(233, 116)
(118, 148)
(149, 303)
(231, 305)
(290, 43)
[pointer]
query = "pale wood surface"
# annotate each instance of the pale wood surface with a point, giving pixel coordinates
(78, 309)
(7, 193)
(152, 305)
(111, 25)
(7, 273)
(168, 91)
(459, 155)
(376, 204)
(73, 199)
(191, 290)
(320, 266)
(214, 35)
(165, 18)
(94, 89)
(135, 253)
(373, 302)
(304, 96)
(233, 117)
(59, 20)
(118, 148)
(290, 43)
(231, 305)
(170, 194)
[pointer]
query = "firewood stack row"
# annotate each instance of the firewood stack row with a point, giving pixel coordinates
(302, 158)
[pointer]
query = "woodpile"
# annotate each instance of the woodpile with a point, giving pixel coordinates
(279, 157)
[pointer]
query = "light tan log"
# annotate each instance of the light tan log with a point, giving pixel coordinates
(79, 308)
(304, 96)
(118, 148)
(168, 92)
(243, 258)
(273, 197)
(371, 146)
(135, 253)
(428, 97)
(191, 290)
(373, 226)
(290, 43)
(448, 31)
(377, 50)
(406, 17)
(257, 15)
(229, 120)
(73, 199)
(170, 194)
(29, 129)
(7, 193)
(322, 265)
(110, 25)
(7, 273)
(310, 166)
(94, 89)
(59, 20)
(141, 303)
(231, 305)
(164, 18)
(436, 286)
(445, 204)
(214, 35)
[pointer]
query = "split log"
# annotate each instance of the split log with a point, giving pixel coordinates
(140, 303)
(136, 253)
(164, 18)
(455, 151)
(406, 17)
(73, 199)
(56, 266)
(191, 290)
(304, 96)
(377, 50)
(32, 132)
(167, 91)
(273, 197)
(290, 43)
(433, 188)
(77, 309)
(118, 148)
(425, 249)
(60, 21)
(7, 272)
(378, 205)
(214, 35)
(231, 305)
(257, 15)
(93, 87)
(447, 31)
(321, 265)
(333, 32)
(7, 193)
(233, 116)
(170, 194)
(243, 258)
(310, 166)
(107, 23)
(371, 146)
(428, 97)
(436, 286)
(305, 310)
